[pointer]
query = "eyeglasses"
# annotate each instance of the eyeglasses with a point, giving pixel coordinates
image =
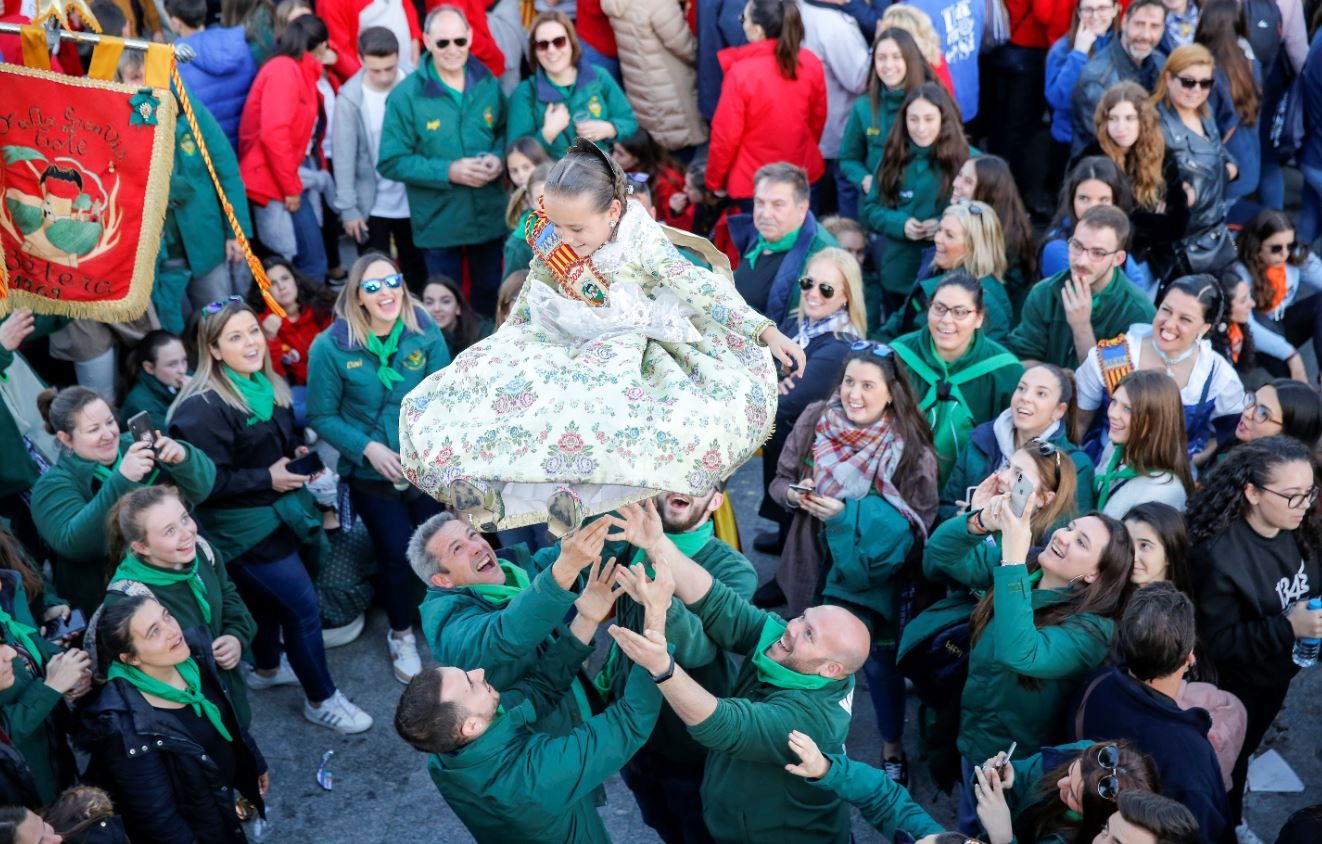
(557, 42)
(878, 350)
(1108, 758)
(1261, 413)
(959, 312)
(220, 305)
(1096, 11)
(807, 282)
(442, 43)
(373, 285)
(1287, 248)
(1296, 500)
(1096, 253)
(1190, 84)
(1045, 449)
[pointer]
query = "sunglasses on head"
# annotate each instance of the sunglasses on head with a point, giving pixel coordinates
(1108, 758)
(1205, 84)
(218, 306)
(373, 285)
(1287, 248)
(1045, 449)
(557, 42)
(879, 350)
(806, 283)
(442, 43)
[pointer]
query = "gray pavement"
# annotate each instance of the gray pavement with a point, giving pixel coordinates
(382, 791)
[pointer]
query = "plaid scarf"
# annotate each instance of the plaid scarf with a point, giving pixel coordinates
(849, 461)
(836, 323)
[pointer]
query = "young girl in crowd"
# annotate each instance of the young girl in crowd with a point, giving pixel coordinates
(161, 685)
(447, 306)
(1095, 180)
(98, 465)
(1283, 407)
(381, 346)
(987, 178)
(522, 156)
(1281, 275)
(867, 454)
(307, 308)
(639, 155)
(918, 24)
(1255, 539)
(1092, 25)
(260, 516)
(1161, 545)
(155, 545)
(160, 370)
(1238, 102)
(523, 202)
(1146, 453)
(925, 149)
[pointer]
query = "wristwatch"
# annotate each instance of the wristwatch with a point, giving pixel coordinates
(667, 674)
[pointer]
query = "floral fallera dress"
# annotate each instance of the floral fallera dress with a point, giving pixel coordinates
(619, 376)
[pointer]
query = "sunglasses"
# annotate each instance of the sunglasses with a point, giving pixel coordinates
(373, 285)
(218, 306)
(1190, 84)
(975, 210)
(1287, 248)
(442, 43)
(1108, 758)
(1045, 449)
(807, 282)
(557, 42)
(879, 350)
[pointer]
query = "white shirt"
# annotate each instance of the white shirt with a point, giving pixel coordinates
(390, 14)
(1163, 487)
(391, 201)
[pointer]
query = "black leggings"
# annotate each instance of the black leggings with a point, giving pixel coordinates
(1303, 322)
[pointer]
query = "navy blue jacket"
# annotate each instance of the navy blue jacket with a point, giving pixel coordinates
(718, 28)
(1312, 84)
(221, 75)
(825, 354)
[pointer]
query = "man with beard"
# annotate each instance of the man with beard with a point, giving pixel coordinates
(1093, 296)
(795, 676)
(666, 775)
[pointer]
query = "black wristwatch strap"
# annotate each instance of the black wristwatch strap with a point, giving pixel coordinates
(667, 674)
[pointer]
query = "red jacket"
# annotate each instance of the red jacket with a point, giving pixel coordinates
(278, 120)
(289, 348)
(594, 28)
(1038, 23)
(762, 117)
(484, 47)
(341, 17)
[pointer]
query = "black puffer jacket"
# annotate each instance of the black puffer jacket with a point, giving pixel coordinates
(164, 784)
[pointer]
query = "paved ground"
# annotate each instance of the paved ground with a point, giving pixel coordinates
(382, 792)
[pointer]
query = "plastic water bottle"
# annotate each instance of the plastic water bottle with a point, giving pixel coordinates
(1305, 650)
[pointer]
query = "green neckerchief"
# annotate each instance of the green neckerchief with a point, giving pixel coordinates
(516, 580)
(383, 351)
(773, 673)
(784, 244)
(1115, 473)
(131, 568)
(256, 391)
(191, 695)
(18, 630)
(102, 473)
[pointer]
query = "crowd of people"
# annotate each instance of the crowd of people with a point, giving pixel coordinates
(1045, 439)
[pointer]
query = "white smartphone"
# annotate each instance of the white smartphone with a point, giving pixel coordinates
(1019, 494)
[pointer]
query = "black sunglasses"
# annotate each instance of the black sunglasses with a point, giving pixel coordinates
(442, 43)
(1205, 84)
(557, 42)
(1045, 449)
(218, 306)
(1108, 758)
(806, 283)
(1287, 248)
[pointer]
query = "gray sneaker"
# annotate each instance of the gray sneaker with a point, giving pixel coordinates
(284, 676)
(338, 713)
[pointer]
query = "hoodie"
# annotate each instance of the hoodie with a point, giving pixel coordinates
(221, 75)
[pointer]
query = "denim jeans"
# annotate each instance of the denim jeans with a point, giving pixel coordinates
(886, 688)
(602, 62)
(484, 260)
(1311, 201)
(294, 236)
(390, 522)
(669, 797)
(284, 603)
(967, 811)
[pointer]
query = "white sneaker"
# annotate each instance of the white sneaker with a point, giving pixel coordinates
(404, 656)
(1246, 835)
(336, 637)
(284, 676)
(338, 713)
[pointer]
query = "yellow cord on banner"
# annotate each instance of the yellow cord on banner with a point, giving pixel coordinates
(258, 271)
(47, 9)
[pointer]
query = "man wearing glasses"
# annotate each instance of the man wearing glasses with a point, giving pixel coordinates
(1093, 297)
(1133, 57)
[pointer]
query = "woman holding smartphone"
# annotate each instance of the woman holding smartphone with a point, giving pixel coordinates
(264, 521)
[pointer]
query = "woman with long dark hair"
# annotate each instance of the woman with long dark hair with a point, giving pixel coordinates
(1161, 545)
(1281, 274)
(160, 369)
(1095, 180)
(307, 307)
(987, 178)
(446, 304)
(1283, 407)
(643, 157)
(1238, 98)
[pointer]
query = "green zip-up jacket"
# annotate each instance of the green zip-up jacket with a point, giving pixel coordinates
(515, 783)
(996, 709)
(709, 666)
(920, 197)
(1026, 795)
(747, 795)
(865, 134)
(866, 545)
(17, 471)
(1044, 334)
(913, 313)
(593, 92)
(426, 128)
(229, 617)
(349, 407)
(69, 507)
(517, 254)
(28, 705)
(881, 801)
(150, 395)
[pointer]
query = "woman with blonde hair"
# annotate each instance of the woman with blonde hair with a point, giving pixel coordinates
(260, 515)
(968, 237)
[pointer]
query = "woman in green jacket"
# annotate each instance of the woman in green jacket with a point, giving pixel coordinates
(961, 378)
(70, 502)
(160, 368)
(156, 542)
(1041, 626)
(567, 96)
(923, 152)
(381, 345)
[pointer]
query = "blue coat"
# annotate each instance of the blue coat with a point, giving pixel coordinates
(718, 28)
(1312, 84)
(1064, 63)
(959, 25)
(221, 75)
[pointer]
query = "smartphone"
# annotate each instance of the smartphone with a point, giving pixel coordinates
(968, 495)
(63, 628)
(1020, 493)
(1009, 754)
(308, 464)
(802, 488)
(140, 428)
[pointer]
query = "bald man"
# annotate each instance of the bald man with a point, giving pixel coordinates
(795, 676)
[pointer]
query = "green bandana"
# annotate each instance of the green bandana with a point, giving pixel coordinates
(256, 391)
(15, 629)
(383, 351)
(763, 245)
(773, 673)
(1106, 482)
(131, 568)
(516, 580)
(103, 473)
(189, 696)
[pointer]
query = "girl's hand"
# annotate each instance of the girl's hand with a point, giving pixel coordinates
(992, 809)
(784, 350)
(793, 496)
(227, 650)
(283, 480)
(914, 229)
(983, 492)
(169, 451)
(812, 764)
(821, 507)
(137, 462)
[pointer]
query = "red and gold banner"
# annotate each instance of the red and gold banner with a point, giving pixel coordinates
(84, 177)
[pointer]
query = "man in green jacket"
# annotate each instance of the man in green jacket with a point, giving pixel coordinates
(666, 775)
(795, 676)
(443, 137)
(506, 780)
(1093, 299)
